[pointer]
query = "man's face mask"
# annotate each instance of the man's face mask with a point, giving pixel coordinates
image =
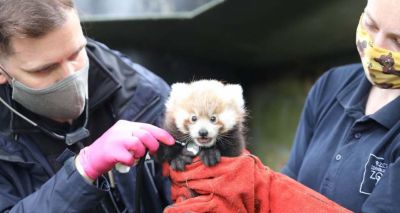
(381, 66)
(63, 100)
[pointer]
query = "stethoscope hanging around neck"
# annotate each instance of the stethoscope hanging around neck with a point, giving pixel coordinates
(69, 138)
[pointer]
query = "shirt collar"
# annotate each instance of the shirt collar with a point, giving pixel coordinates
(389, 114)
(353, 99)
(353, 96)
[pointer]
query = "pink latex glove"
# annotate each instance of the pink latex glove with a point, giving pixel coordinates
(123, 143)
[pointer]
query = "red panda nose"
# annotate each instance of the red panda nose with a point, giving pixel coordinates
(203, 132)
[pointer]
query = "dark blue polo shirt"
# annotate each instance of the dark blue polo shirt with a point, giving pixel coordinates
(340, 152)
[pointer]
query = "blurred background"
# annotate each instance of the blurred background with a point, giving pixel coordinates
(276, 49)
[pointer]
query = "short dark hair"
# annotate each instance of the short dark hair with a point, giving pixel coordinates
(29, 18)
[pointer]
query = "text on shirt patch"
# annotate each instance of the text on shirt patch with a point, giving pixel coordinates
(373, 172)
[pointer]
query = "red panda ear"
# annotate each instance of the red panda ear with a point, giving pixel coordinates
(177, 86)
(178, 91)
(235, 92)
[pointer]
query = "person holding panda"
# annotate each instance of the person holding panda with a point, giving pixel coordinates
(347, 142)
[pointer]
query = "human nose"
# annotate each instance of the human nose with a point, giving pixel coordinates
(380, 40)
(67, 69)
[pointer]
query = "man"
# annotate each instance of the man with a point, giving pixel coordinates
(70, 111)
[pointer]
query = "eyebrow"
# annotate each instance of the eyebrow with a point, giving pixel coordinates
(49, 65)
(375, 24)
(370, 18)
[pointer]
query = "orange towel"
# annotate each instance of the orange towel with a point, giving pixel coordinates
(241, 184)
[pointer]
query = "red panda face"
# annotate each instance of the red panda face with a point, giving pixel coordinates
(204, 129)
(204, 109)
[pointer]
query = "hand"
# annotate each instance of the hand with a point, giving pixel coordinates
(123, 143)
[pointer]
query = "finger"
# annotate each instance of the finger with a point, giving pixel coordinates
(126, 158)
(135, 145)
(160, 134)
(147, 139)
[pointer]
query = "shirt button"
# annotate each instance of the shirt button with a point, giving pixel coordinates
(357, 135)
(338, 157)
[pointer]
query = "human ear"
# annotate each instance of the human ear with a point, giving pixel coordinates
(3, 78)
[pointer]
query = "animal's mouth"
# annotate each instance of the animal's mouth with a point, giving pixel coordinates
(204, 140)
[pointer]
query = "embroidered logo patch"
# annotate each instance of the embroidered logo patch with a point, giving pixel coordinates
(373, 172)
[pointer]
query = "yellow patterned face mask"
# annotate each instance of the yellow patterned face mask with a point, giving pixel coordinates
(381, 66)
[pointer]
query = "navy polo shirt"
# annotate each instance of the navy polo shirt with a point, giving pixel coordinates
(343, 154)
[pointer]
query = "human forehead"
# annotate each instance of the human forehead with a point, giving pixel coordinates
(386, 14)
(53, 47)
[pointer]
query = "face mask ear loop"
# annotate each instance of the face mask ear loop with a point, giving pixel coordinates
(5, 72)
(10, 107)
(17, 113)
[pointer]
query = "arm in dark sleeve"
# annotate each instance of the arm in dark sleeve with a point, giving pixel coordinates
(384, 197)
(305, 129)
(321, 96)
(67, 191)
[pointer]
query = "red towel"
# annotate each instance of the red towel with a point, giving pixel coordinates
(241, 184)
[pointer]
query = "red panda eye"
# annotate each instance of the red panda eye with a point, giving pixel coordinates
(194, 118)
(213, 118)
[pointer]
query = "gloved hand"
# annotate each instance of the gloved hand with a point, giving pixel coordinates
(123, 143)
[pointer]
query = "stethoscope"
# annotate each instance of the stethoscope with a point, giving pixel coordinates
(69, 138)
(75, 137)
